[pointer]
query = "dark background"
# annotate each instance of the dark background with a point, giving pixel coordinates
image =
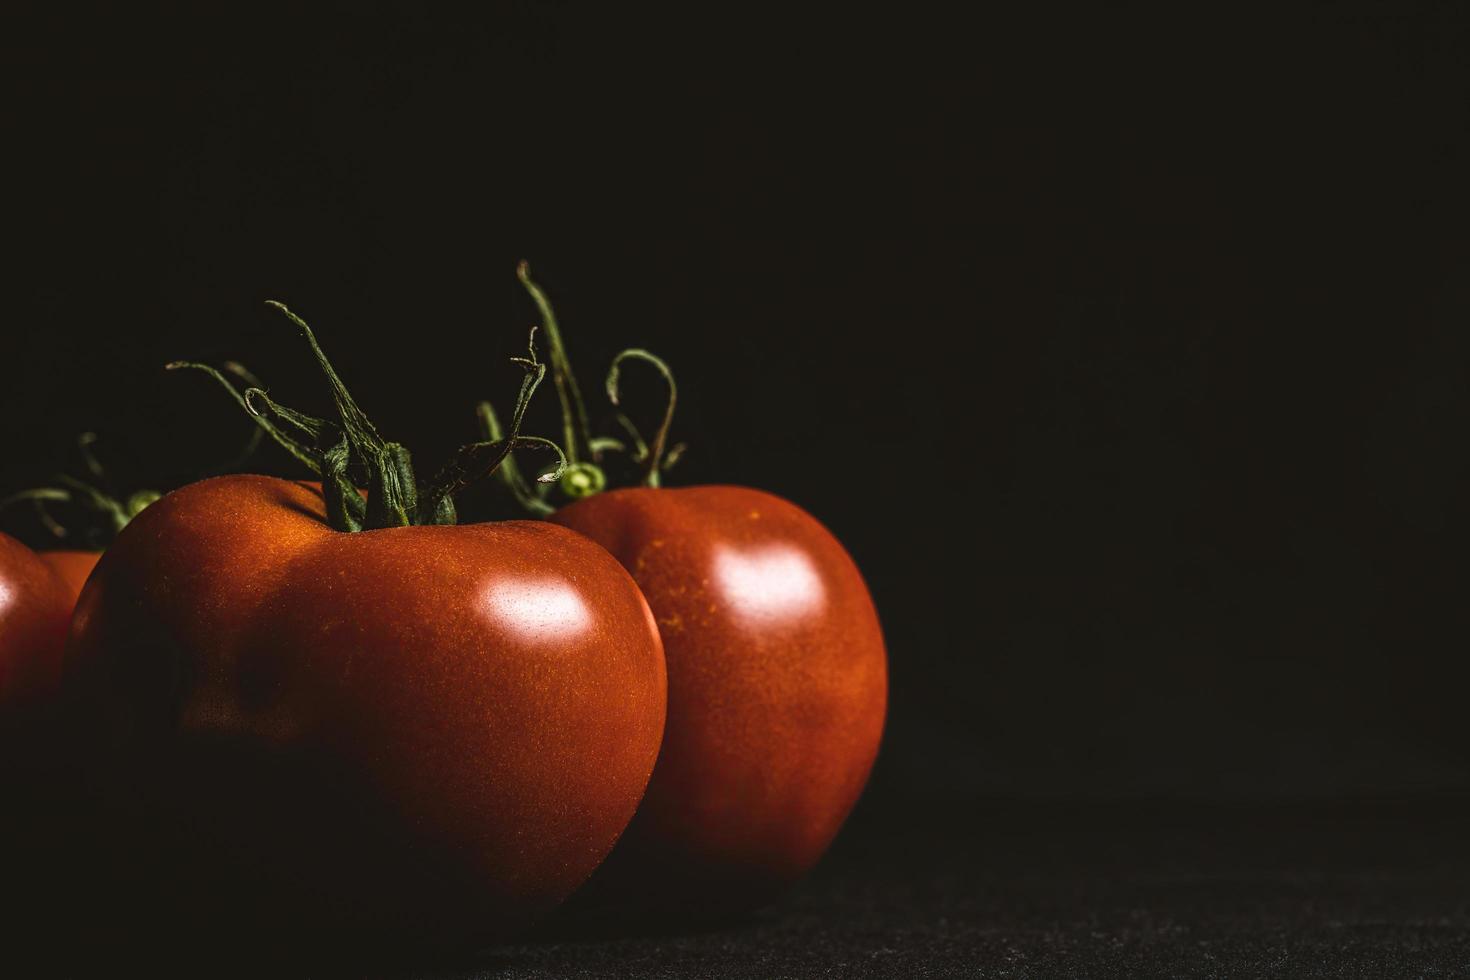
(1126, 353)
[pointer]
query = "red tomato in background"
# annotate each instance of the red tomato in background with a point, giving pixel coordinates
(777, 690)
(416, 733)
(72, 566)
(35, 610)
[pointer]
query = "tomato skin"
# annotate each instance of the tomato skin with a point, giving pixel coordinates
(405, 735)
(777, 691)
(72, 566)
(35, 610)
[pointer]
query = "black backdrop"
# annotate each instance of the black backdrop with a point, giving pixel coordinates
(1126, 354)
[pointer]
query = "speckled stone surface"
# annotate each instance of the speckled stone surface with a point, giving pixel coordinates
(1323, 890)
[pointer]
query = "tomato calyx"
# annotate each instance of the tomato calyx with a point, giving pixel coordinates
(587, 455)
(348, 452)
(105, 515)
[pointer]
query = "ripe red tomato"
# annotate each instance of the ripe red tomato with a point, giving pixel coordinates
(777, 690)
(337, 720)
(777, 673)
(35, 609)
(422, 731)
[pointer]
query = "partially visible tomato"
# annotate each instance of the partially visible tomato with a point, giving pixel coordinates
(777, 688)
(35, 609)
(72, 566)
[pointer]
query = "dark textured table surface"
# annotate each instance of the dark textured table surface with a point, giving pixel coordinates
(1368, 889)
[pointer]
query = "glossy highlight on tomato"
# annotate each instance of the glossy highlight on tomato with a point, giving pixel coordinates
(777, 691)
(420, 733)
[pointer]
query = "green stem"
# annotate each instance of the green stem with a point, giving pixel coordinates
(640, 448)
(392, 490)
(576, 429)
(480, 459)
(252, 441)
(300, 452)
(349, 452)
(55, 494)
(346, 510)
(117, 513)
(97, 501)
(653, 455)
(258, 403)
(39, 497)
(89, 458)
(509, 471)
(324, 448)
(584, 473)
